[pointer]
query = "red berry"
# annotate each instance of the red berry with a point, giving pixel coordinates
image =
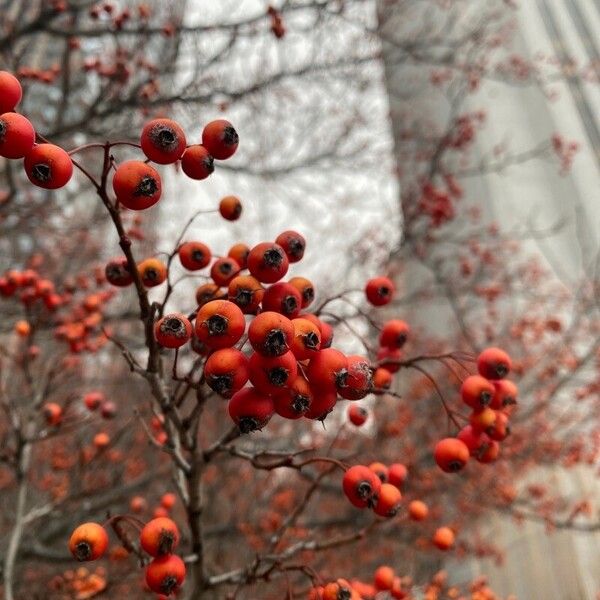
(159, 537)
(220, 139)
(283, 298)
(361, 486)
(394, 334)
(380, 291)
(165, 575)
(230, 208)
(250, 409)
(477, 392)
(271, 374)
(88, 542)
(293, 245)
(10, 92)
(494, 363)
(194, 255)
(357, 415)
(163, 141)
(48, 166)
(226, 371)
(451, 455)
(173, 330)
(197, 163)
(17, 135)
(137, 185)
(268, 262)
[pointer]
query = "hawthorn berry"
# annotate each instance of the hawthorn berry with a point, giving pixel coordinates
(283, 298)
(17, 135)
(220, 324)
(194, 255)
(397, 474)
(328, 370)
(247, 292)
(323, 403)
(505, 393)
(383, 578)
(269, 374)
(152, 272)
(53, 413)
(230, 208)
(357, 415)
(163, 141)
(197, 162)
(11, 92)
(220, 139)
(108, 409)
(475, 440)
(268, 262)
(361, 486)
(250, 409)
(159, 537)
(306, 289)
(93, 400)
(490, 453)
(418, 510)
(451, 455)
(173, 330)
(293, 245)
(325, 328)
(22, 328)
(48, 166)
(380, 470)
(382, 379)
(388, 500)
(137, 504)
(137, 185)
(477, 391)
(359, 380)
(271, 334)
(294, 401)
(226, 371)
(394, 334)
(500, 430)
(380, 291)
(88, 542)
(224, 270)
(306, 340)
(389, 359)
(101, 440)
(443, 538)
(239, 253)
(117, 272)
(494, 363)
(482, 419)
(165, 574)
(168, 500)
(207, 292)
(338, 590)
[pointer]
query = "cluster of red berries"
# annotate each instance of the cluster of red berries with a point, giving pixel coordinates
(388, 584)
(292, 369)
(385, 580)
(78, 317)
(46, 165)
(136, 184)
(159, 537)
(375, 486)
(490, 398)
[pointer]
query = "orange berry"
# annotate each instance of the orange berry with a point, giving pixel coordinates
(88, 542)
(159, 536)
